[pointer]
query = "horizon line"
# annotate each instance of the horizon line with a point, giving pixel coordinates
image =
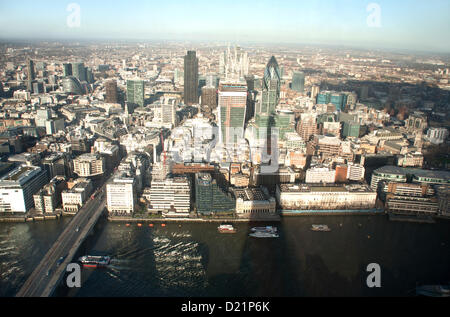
(373, 47)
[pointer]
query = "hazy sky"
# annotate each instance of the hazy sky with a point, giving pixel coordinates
(411, 24)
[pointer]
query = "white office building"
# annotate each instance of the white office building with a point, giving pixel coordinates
(121, 195)
(320, 175)
(18, 187)
(171, 196)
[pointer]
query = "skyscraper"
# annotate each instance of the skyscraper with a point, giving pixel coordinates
(31, 75)
(111, 92)
(79, 71)
(135, 92)
(271, 88)
(191, 78)
(232, 110)
(67, 70)
(298, 81)
(72, 85)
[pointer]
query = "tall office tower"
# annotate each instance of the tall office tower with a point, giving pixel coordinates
(190, 78)
(89, 76)
(271, 88)
(79, 71)
(135, 92)
(169, 114)
(315, 91)
(307, 126)
(67, 69)
(111, 92)
(298, 81)
(364, 93)
(232, 109)
(31, 75)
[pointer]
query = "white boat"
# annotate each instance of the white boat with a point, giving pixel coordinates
(261, 234)
(322, 228)
(226, 229)
(265, 229)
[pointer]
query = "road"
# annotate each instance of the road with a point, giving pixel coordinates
(47, 275)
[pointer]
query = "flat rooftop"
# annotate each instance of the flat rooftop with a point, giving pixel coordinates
(308, 188)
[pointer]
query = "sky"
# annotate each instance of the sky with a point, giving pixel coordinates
(404, 24)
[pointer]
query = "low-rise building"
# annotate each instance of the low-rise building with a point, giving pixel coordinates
(48, 198)
(320, 175)
(75, 197)
(254, 202)
(316, 197)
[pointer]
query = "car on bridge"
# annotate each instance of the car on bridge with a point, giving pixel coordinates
(61, 260)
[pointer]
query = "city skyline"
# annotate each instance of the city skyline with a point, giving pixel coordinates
(410, 25)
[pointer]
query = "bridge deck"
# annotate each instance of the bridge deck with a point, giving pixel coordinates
(48, 274)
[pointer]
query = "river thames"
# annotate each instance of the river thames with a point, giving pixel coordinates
(194, 260)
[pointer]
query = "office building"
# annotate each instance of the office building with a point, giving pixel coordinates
(121, 196)
(387, 174)
(72, 85)
(111, 92)
(271, 88)
(351, 129)
(355, 172)
(320, 175)
(88, 165)
(416, 122)
(317, 197)
(210, 198)
(298, 82)
(254, 202)
(67, 70)
(437, 135)
(135, 93)
(171, 197)
(307, 126)
(209, 97)
(18, 187)
(79, 72)
(48, 198)
(77, 194)
(191, 78)
(232, 111)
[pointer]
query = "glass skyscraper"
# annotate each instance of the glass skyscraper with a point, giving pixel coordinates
(271, 88)
(79, 71)
(135, 92)
(191, 78)
(232, 110)
(298, 81)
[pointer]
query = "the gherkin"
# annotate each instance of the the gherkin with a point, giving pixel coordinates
(271, 88)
